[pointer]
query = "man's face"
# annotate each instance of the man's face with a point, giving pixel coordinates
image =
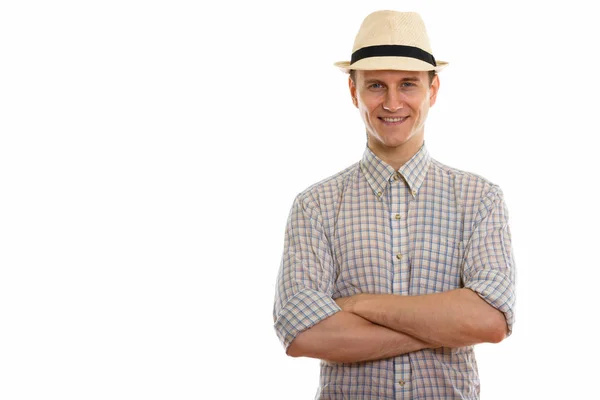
(393, 106)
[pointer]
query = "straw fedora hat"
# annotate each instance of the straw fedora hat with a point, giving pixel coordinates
(392, 40)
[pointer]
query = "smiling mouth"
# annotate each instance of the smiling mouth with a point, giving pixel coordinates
(393, 121)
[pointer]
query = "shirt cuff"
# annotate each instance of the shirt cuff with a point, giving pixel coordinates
(305, 309)
(497, 289)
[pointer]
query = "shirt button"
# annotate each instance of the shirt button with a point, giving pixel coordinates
(414, 192)
(399, 256)
(396, 177)
(397, 216)
(378, 194)
(401, 383)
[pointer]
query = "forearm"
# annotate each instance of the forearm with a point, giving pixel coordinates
(451, 319)
(346, 337)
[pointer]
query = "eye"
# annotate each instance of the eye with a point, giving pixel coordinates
(407, 84)
(375, 86)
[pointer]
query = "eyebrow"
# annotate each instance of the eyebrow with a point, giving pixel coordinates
(406, 79)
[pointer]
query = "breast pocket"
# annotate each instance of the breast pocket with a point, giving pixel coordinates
(435, 265)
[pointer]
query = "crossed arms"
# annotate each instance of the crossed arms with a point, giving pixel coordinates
(372, 327)
(366, 327)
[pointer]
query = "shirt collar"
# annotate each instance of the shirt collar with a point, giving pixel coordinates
(378, 173)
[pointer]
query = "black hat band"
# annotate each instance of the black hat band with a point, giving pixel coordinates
(392, 50)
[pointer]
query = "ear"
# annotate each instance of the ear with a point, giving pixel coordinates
(352, 87)
(433, 90)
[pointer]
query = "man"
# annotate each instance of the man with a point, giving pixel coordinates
(395, 267)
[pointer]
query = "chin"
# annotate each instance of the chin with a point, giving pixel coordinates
(392, 139)
(396, 141)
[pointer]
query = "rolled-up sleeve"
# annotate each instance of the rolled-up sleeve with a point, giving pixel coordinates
(489, 268)
(306, 275)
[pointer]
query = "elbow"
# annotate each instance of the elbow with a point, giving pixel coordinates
(496, 328)
(488, 324)
(497, 335)
(489, 327)
(300, 347)
(294, 349)
(502, 331)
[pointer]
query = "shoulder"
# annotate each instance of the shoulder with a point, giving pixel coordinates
(329, 189)
(471, 187)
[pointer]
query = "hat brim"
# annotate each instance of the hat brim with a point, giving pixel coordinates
(390, 63)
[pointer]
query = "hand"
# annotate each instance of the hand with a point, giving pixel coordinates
(347, 303)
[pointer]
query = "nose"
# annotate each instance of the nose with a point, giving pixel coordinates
(392, 102)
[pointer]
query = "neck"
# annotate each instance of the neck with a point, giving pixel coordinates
(396, 157)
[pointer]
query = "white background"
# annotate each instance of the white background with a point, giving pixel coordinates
(150, 153)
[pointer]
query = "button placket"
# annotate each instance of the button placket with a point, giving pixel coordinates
(400, 197)
(397, 210)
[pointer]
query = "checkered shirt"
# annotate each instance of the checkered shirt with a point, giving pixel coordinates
(426, 228)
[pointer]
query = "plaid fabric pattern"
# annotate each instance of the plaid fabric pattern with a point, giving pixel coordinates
(423, 229)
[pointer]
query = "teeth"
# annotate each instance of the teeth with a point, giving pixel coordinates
(393, 119)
